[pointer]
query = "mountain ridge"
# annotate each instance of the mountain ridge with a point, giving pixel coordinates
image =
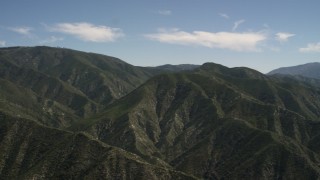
(310, 70)
(96, 116)
(83, 83)
(158, 117)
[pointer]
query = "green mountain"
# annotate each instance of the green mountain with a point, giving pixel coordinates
(57, 86)
(310, 70)
(66, 114)
(32, 151)
(218, 123)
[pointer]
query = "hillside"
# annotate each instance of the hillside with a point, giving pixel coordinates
(66, 114)
(310, 70)
(218, 122)
(32, 151)
(56, 86)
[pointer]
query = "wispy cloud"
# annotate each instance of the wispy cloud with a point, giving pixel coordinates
(224, 40)
(2, 43)
(21, 30)
(88, 32)
(165, 12)
(265, 25)
(312, 47)
(51, 39)
(283, 36)
(224, 15)
(237, 24)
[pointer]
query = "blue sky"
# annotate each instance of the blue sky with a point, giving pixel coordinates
(259, 34)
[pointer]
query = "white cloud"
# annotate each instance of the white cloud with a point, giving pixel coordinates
(2, 43)
(312, 47)
(283, 36)
(51, 39)
(88, 32)
(224, 15)
(224, 40)
(165, 12)
(21, 30)
(237, 24)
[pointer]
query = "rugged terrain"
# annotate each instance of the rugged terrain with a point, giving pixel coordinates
(57, 86)
(32, 151)
(127, 122)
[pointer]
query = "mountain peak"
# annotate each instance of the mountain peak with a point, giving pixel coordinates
(236, 72)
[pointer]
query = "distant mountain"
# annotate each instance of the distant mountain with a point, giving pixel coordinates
(311, 70)
(66, 114)
(177, 68)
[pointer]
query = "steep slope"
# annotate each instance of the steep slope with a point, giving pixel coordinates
(218, 123)
(32, 151)
(101, 78)
(63, 85)
(311, 70)
(211, 122)
(41, 97)
(294, 79)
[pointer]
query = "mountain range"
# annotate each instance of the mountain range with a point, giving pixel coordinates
(310, 70)
(66, 114)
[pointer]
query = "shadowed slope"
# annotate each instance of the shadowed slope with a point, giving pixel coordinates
(63, 85)
(191, 120)
(212, 122)
(30, 151)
